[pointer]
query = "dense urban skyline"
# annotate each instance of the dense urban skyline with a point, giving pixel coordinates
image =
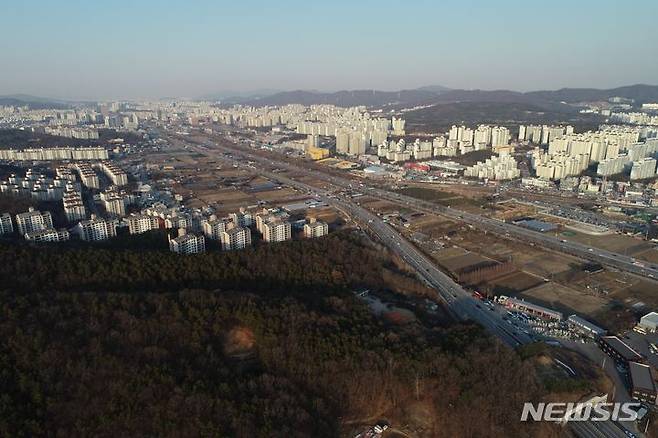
(80, 50)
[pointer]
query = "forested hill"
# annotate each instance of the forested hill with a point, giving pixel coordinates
(267, 342)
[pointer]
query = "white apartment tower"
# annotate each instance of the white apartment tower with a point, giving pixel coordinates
(315, 228)
(235, 237)
(242, 219)
(141, 223)
(33, 220)
(74, 208)
(214, 228)
(277, 231)
(6, 226)
(643, 169)
(187, 244)
(96, 229)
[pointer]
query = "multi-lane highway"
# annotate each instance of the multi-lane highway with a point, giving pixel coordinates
(605, 258)
(599, 429)
(459, 301)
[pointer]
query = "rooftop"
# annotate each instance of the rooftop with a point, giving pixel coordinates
(651, 317)
(622, 348)
(641, 376)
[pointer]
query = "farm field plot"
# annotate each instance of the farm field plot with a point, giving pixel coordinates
(565, 299)
(513, 283)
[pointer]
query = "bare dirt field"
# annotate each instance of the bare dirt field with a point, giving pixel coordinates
(225, 195)
(635, 290)
(451, 196)
(618, 243)
(460, 262)
(447, 253)
(565, 299)
(429, 222)
(650, 255)
(525, 257)
(379, 206)
(513, 283)
(512, 210)
(230, 172)
(279, 195)
(327, 214)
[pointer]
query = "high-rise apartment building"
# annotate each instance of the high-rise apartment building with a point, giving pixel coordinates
(96, 229)
(6, 226)
(187, 244)
(33, 220)
(315, 228)
(277, 230)
(141, 223)
(235, 237)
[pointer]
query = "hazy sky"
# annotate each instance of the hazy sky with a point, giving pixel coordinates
(146, 48)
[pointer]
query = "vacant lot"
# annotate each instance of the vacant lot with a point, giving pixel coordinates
(460, 262)
(278, 195)
(636, 290)
(427, 194)
(618, 243)
(327, 214)
(447, 253)
(650, 255)
(525, 257)
(225, 195)
(565, 299)
(513, 283)
(230, 172)
(379, 206)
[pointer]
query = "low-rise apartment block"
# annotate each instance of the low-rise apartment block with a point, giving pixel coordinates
(48, 235)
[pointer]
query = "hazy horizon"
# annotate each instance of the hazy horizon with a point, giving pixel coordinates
(86, 51)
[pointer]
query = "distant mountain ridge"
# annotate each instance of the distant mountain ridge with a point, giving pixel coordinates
(34, 102)
(240, 96)
(437, 94)
(422, 96)
(347, 97)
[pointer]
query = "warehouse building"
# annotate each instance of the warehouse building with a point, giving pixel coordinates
(532, 309)
(585, 326)
(643, 387)
(535, 225)
(649, 322)
(619, 350)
